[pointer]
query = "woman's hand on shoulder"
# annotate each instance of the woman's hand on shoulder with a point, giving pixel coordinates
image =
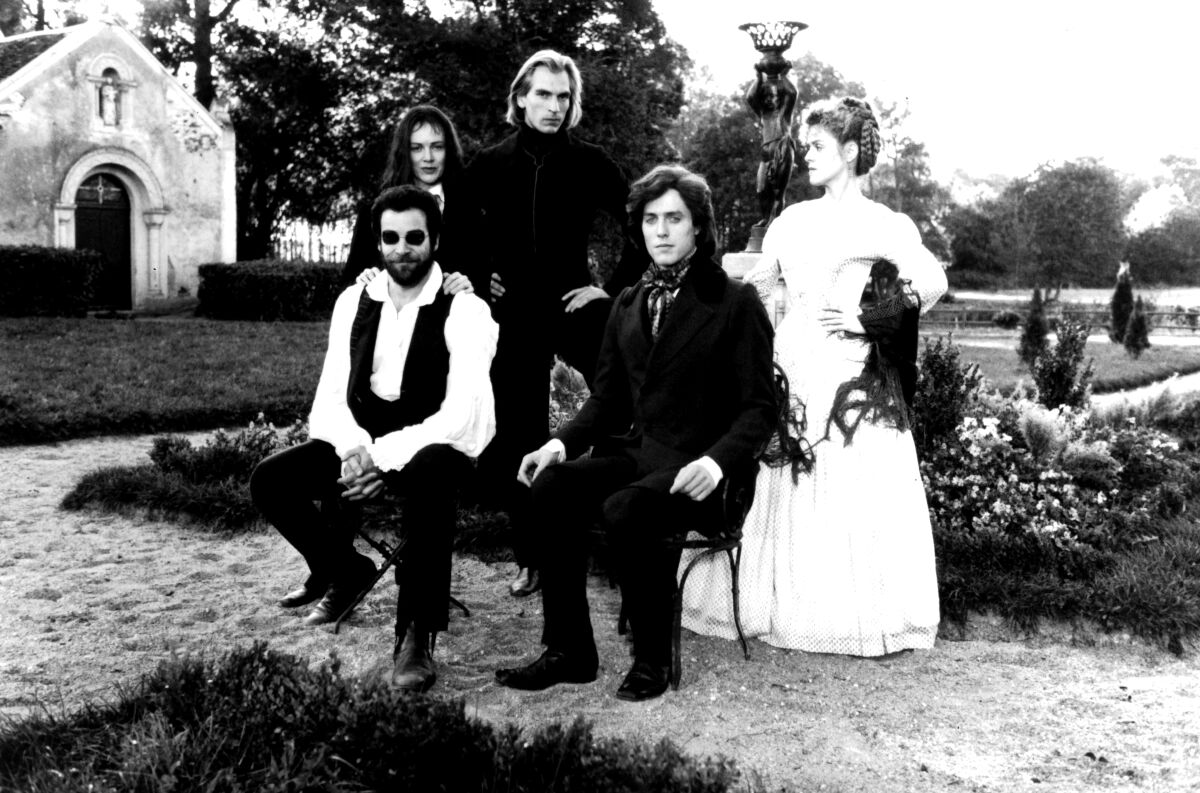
(453, 283)
(367, 275)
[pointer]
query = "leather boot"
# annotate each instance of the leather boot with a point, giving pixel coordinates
(413, 668)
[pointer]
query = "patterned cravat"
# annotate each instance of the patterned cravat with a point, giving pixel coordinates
(661, 285)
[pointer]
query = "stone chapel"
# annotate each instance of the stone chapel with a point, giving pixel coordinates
(102, 148)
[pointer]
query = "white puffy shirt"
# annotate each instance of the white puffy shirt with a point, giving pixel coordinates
(466, 419)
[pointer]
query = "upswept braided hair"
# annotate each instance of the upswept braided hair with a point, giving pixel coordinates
(850, 120)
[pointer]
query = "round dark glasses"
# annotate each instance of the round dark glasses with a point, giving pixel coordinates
(413, 238)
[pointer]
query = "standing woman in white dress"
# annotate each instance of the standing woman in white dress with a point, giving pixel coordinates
(838, 559)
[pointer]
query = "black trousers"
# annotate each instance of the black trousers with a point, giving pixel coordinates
(521, 384)
(639, 515)
(297, 492)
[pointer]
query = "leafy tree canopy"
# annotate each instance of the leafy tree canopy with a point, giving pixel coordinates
(1075, 212)
(315, 95)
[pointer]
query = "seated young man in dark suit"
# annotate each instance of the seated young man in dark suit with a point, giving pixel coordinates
(404, 400)
(684, 395)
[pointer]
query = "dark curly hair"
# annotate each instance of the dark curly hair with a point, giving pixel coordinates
(850, 121)
(696, 195)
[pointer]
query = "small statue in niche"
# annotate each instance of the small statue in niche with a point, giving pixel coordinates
(110, 97)
(772, 97)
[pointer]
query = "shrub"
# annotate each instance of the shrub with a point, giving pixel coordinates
(1137, 332)
(51, 282)
(1033, 336)
(568, 392)
(269, 290)
(945, 390)
(1121, 305)
(209, 484)
(1007, 319)
(263, 721)
(1033, 510)
(1057, 373)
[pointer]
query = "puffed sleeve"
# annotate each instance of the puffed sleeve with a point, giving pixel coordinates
(331, 419)
(915, 263)
(466, 419)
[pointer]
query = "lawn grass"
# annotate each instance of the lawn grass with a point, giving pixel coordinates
(70, 378)
(67, 378)
(1113, 369)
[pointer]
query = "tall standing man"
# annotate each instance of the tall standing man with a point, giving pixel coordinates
(530, 204)
(684, 396)
(404, 400)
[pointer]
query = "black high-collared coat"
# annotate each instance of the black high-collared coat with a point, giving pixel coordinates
(704, 388)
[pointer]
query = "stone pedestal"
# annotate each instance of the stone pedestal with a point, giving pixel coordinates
(736, 265)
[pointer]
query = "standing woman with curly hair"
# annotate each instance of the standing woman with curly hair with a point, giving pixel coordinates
(839, 559)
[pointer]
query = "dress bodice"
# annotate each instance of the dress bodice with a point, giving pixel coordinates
(824, 250)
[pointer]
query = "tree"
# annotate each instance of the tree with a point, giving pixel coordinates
(1121, 304)
(183, 31)
(11, 13)
(1186, 173)
(396, 55)
(1033, 335)
(1169, 253)
(725, 150)
(977, 256)
(290, 161)
(1075, 211)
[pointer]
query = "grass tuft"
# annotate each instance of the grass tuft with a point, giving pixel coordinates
(259, 720)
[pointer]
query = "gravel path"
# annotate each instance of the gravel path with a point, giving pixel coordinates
(88, 600)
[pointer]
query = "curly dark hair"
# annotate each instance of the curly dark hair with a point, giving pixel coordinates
(850, 121)
(696, 194)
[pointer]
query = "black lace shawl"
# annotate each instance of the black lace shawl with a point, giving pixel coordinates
(883, 392)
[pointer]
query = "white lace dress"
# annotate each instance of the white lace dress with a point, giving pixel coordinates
(842, 561)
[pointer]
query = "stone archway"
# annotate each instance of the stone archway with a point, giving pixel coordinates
(146, 211)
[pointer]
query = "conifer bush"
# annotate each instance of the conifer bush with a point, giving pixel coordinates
(1137, 331)
(1061, 376)
(1121, 305)
(1033, 334)
(945, 392)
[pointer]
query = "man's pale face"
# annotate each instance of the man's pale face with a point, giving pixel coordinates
(547, 101)
(668, 229)
(427, 148)
(407, 261)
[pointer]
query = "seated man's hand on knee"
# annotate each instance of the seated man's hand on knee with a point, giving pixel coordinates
(533, 463)
(694, 481)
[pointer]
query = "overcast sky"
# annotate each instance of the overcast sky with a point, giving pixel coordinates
(993, 87)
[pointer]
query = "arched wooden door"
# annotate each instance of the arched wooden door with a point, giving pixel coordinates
(102, 225)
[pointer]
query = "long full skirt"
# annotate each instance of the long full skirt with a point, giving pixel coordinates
(840, 560)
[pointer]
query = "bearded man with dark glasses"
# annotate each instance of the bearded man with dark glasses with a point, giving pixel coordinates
(403, 402)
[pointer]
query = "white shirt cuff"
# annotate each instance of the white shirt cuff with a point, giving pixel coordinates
(710, 465)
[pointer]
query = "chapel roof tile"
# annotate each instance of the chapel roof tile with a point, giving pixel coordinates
(17, 52)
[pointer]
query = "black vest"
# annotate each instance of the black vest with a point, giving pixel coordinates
(425, 370)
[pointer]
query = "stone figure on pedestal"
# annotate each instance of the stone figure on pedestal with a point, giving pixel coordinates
(772, 97)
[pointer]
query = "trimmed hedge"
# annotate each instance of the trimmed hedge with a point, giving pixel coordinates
(47, 282)
(269, 289)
